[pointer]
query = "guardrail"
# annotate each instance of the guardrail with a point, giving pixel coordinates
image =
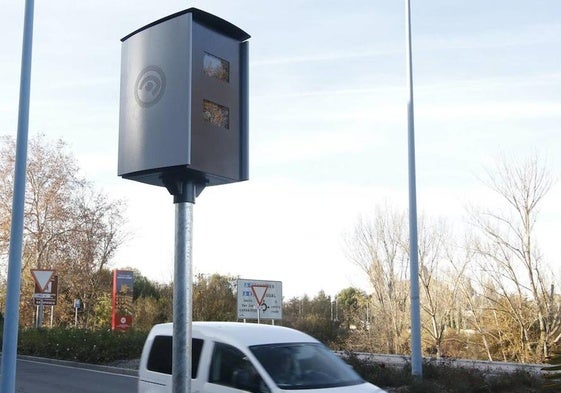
(487, 366)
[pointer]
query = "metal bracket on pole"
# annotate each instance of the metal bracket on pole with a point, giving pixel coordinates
(182, 188)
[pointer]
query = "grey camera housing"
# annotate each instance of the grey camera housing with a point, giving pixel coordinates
(184, 102)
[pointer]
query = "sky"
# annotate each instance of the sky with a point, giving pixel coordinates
(328, 125)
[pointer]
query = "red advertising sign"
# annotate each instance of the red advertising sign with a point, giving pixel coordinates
(123, 322)
(121, 317)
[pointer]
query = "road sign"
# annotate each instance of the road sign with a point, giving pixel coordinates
(259, 299)
(41, 296)
(259, 292)
(42, 278)
(46, 287)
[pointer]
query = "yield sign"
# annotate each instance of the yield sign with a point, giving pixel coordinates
(259, 292)
(42, 278)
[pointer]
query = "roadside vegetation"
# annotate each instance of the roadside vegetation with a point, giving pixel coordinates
(447, 379)
(81, 345)
(487, 290)
(107, 347)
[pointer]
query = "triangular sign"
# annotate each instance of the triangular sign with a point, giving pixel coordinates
(259, 292)
(42, 278)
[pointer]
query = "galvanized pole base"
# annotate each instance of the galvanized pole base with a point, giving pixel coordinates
(182, 295)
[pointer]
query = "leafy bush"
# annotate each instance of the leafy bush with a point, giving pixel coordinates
(82, 345)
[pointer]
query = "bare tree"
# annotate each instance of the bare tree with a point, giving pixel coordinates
(377, 247)
(68, 225)
(484, 313)
(439, 277)
(472, 310)
(510, 256)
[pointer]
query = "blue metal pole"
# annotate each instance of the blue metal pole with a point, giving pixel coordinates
(416, 355)
(10, 333)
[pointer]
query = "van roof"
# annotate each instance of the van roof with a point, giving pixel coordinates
(245, 334)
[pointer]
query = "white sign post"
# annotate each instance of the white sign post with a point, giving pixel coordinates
(76, 307)
(259, 299)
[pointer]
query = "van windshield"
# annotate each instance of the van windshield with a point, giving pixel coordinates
(304, 366)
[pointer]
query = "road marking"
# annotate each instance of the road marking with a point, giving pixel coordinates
(78, 368)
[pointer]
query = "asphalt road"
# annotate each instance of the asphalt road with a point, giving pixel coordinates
(36, 375)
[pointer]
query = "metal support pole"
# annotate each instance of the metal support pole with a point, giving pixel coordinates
(10, 333)
(416, 355)
(182, 290)
(40, 315)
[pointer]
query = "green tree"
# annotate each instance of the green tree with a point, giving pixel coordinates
(354, 311)
(101, 316)
(214, 298)
(152, 302)
(143, 287)
(353, 308)
(315, 317)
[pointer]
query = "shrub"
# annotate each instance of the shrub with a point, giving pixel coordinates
(445, 379)
(553, 371)
(82, 345)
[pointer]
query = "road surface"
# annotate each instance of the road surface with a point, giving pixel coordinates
(37, 375)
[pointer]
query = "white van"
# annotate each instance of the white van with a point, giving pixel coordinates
(231, 357)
